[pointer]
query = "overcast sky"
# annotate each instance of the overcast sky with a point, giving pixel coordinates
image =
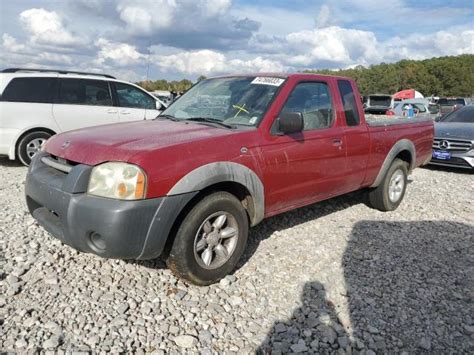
(176, 39)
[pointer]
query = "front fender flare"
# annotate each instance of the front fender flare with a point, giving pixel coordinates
(218, 172)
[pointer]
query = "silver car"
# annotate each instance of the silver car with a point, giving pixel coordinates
(422, 108)
(454, 139)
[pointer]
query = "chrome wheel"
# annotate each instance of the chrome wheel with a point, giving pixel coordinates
(34, 146)
(216, 240)
(396, 185)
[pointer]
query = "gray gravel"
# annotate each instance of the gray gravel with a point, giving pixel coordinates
(334, 277)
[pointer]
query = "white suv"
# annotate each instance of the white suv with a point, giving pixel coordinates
(35, 104)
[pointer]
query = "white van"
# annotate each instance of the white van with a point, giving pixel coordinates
(35, 104)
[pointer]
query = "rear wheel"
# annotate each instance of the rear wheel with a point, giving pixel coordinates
(389, 194)
(30, 144)
(210, 240)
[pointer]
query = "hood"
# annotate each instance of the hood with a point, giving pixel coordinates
(120, 142)
(459, 130)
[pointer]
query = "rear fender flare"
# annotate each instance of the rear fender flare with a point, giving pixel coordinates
(219, 172)
(401, 145)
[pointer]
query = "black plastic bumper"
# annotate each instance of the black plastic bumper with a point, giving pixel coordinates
(106, 227)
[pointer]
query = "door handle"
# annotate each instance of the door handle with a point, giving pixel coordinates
(337, 142)
(125, 112)
(112, 111)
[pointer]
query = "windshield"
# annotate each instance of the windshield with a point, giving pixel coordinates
(450, 102)
(465, 114)
(380, 100)
(233, 101)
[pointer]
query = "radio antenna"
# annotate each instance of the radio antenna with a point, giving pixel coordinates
(148, 60)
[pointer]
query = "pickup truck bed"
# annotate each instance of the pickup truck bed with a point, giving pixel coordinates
(384, 120)
(230, 152)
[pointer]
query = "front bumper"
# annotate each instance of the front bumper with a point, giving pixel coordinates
(106, 227)
(461, 160)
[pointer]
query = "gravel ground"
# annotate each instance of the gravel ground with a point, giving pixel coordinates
(333, 277)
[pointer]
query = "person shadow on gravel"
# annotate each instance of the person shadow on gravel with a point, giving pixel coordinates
(410, 287)
(313, 328)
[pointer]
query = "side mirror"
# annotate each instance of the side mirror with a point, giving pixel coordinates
(159, 106)
(290, 122)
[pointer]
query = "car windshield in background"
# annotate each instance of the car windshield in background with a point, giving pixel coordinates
(465, 115)
(380, 101)
(233, 101)
(450, 102)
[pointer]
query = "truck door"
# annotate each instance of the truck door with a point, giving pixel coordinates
(309, 166)
(356, 136)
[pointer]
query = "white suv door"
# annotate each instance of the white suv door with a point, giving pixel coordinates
(84, 103)
(134, 103)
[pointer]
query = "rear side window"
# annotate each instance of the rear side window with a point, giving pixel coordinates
(38, 90)
(130, 96)
(380, 101)
(348, 102)
(84, 92)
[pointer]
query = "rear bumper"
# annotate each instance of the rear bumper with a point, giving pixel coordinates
(105, 227)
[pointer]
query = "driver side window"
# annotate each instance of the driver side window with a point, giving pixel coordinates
(129, 96)
(313, 100)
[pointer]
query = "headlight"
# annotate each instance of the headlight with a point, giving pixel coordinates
(117, 180)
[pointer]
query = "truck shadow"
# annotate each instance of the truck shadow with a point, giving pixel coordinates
(281, 222)
(293, 218)
(409, 288)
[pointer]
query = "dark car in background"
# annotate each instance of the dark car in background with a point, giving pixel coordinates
(450, 104)
(453, 143)
(377, 104)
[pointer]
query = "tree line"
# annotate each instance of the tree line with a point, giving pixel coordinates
(162, 84)
(443, 76)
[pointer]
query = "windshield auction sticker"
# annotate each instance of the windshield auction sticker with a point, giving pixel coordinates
(267, 80)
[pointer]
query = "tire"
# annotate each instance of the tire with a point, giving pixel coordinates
(30, 144)
(198, 252)
(389, 194)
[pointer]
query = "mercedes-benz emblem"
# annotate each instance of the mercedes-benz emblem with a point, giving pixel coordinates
(444, 144)
(65, 144)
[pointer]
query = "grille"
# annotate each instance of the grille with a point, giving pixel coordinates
(453, 145)
(58, 163)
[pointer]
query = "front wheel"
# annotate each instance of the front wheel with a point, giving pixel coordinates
(30, 145)
(210, 240)
(389, 194)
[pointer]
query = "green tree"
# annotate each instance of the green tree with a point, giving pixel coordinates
(445, 76)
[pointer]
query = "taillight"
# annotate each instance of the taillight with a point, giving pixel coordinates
(390, 113)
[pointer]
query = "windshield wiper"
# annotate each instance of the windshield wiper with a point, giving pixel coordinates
(211, 120)
(167, 117)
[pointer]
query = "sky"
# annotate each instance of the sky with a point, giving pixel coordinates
(176, 39)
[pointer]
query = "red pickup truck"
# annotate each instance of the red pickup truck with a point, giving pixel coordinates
(230, 152)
